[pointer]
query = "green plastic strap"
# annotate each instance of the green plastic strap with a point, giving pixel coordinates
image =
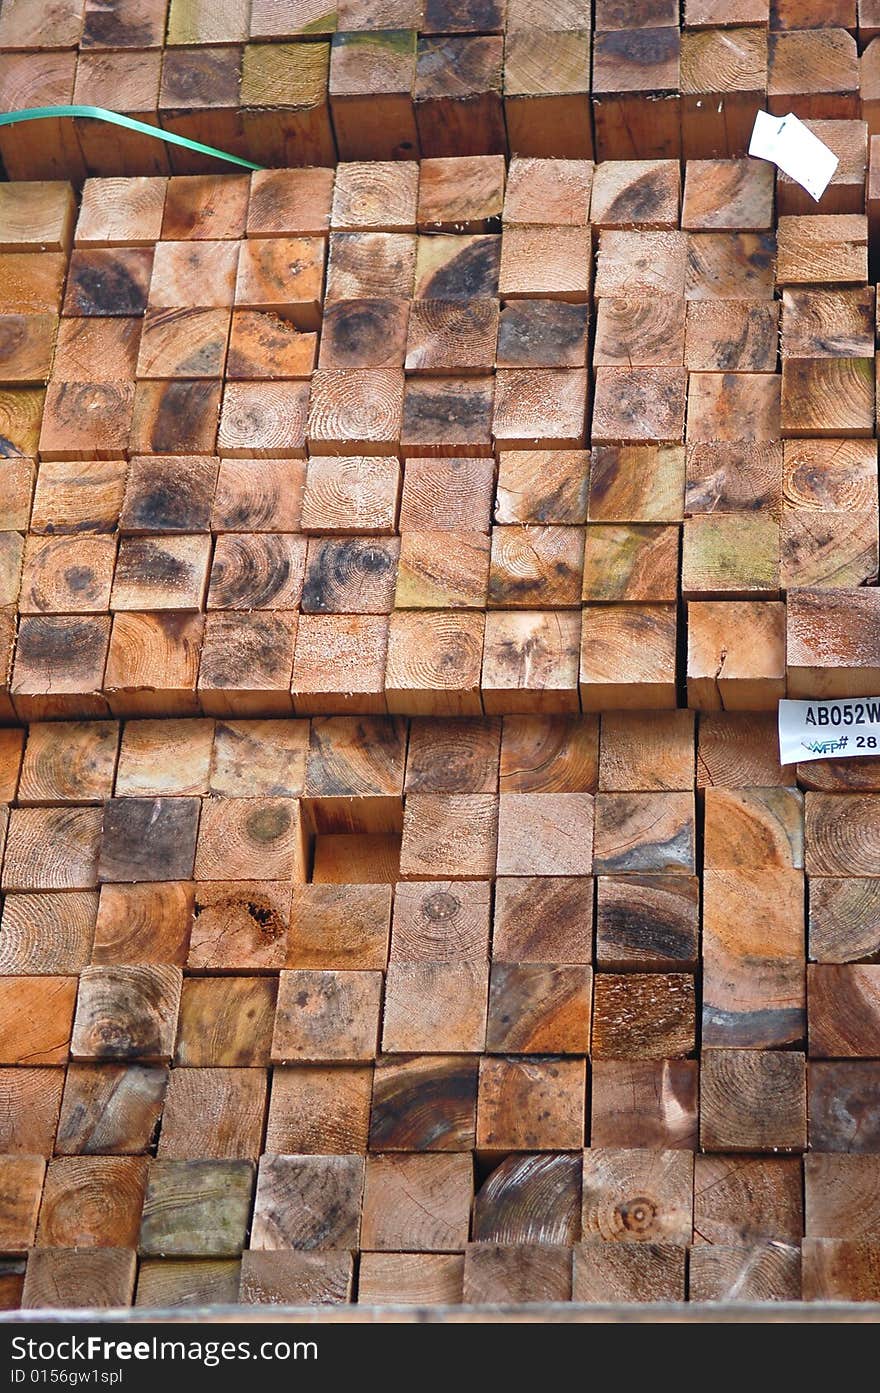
(99, 113)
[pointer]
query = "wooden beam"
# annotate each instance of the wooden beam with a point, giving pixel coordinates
(753, 957)
(319, 1110)
(453, 756)
(643, 1016)
(731, 336)
(736, 1089)
(537, 1009)
(647, 921)
(239, 925)
(431, 576)
(826, 657)
(727, 195)
(441, 921)
(840, 1195)
(543, 919)
(612, 1272)
(284, 96)
(535, 565)
(530, 1199)
(628, 657)
(211, 1113)
(769, 1272)
(279, 1278)
(341, 1022)
(846, 190)
(226, 1022)
(23, 1178)
(736, 655)
(730, 265)
(434, 662)
(844, 918)
(843, 1001)
(196, 1208)
(417, 1203)
(637, 483)
(92, 1201)
(644, 1103)
(740, 1200)
(497, 1273)
(840, 1269)
(424, 1103)
(110, 1109)
(824, 249)
(842, 1105)
(634, 1195)
(723, 84)
(435, 1007)
(747, 829)
(457, 95)
(30, 1099)
(308, 1202)
(126, 1013)
(552, 189)
(143, 923)
(410, 1279)
(370, 90)
(636, 193)
(814, 73)
(530, 662)
(644, 833)
(67, 1277)
(629, 66)
(530, 1104)
(547, 93)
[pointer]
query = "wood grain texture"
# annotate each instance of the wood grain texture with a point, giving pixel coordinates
(410, 1279)
(770, 1272)
(606, 1272)
(753, 958)
(92, 1201)
(196, 1208)
(496, 1273)
(644, 1104)
(543, 919)
(416, 1203)
(530, 1104)
(279, 1278)
(637, 1195)
(536, 1009)
(736, 1113)
(66, 1277)
(110, 1109)
(530, 1199)
(739, 1200)
(308, 1203)
(648, 921)
(424, 1103)
(643, 1015)
(843, 1001)
(319, 1110)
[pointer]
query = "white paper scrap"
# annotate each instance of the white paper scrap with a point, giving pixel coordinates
(789, 144)
(839, 729)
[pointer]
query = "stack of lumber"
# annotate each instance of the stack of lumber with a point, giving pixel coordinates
(384, 440)
(292, 82)
(303, 1011)
(403, 551)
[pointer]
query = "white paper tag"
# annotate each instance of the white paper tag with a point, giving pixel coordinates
(789, 144)
(839, 729)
